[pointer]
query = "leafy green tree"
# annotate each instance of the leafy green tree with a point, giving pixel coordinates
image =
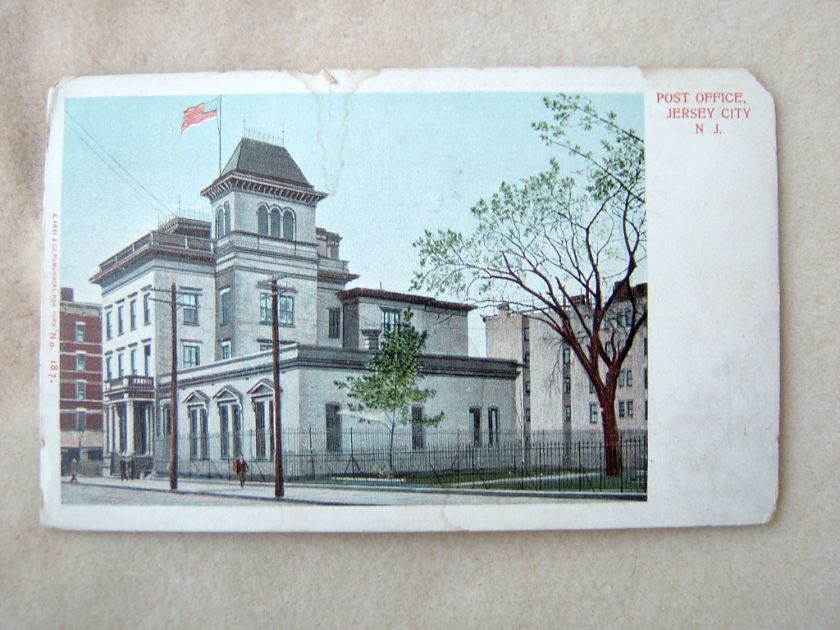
(562, 246)
(391, 387)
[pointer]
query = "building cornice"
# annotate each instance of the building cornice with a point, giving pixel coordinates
(342, 359)
(249, 182)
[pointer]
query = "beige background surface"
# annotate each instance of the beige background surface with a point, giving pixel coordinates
(781, 575)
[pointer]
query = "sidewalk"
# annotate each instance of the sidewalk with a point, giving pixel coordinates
(344, 494)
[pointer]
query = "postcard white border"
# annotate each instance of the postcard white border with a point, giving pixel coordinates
(713, 312)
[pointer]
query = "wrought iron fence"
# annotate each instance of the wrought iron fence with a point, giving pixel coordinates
(545, 460)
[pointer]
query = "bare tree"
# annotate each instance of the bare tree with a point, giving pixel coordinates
(563, 246)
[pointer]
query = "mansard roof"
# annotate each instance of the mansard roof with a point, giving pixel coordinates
(269, 161)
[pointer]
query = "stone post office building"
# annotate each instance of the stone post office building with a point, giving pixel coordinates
(264, 225)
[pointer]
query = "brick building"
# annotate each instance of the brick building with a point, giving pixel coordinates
(80, 380)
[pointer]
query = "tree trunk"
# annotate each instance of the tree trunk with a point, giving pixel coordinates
(391, 450)
(612, 445)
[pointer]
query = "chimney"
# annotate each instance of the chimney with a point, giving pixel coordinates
(66, 294)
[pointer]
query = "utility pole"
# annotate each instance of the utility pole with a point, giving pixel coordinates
(173, 396)
(279, 490)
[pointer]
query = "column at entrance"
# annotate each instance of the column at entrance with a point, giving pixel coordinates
(122, 421)
(131, 438)
(141, 428)
(106, 429)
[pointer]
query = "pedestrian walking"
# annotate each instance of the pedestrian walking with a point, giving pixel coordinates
(123, 469)
(131, 469)
(240, 467)
(74, 470)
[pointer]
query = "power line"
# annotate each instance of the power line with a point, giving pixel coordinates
(132, 178)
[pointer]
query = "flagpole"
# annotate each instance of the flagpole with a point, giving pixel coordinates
(219, 126)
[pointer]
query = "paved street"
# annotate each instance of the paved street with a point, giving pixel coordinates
(110, 491)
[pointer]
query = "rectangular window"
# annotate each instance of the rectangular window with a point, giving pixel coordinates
(194, 426)
(475, 415)
(132, 362)
(594, 412)
(567, 384)
(620, 408)
(190, 302)
(621, 378)
(645, 346)
(224, 306)
(237, 430)
(259, 423)
(107, 368)
(270, 404)
(493, 426)
(120, 310)
(333, 428)
(645, 408)
(527, 387)
(335, 323)
(164, 421)
(132, 314)
(147, 309)
(191, 356)
(567, 413)
(225, 350)
(527, 414)
(418, 429)
(286, 310)
(147, 360)
(390, 319)
(526, 359)
(265, 346)
(265, 308)
(224, 439)
(80, 331)
(629, 408)
(205, 440)
(628, 317)
(628, 378)
(81, 420)
(591, 387)
(80, 390)
(645, 378)
(80, 362)
(525, 332)
(107, 325)
(120, 368)
(567, 355)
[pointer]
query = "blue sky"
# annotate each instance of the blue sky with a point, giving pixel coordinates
(392, 164)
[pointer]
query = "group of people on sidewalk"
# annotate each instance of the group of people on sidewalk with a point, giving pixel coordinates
(127, 470)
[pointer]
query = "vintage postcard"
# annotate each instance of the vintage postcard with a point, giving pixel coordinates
(410, 300)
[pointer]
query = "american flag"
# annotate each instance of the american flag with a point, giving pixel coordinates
(197, 114)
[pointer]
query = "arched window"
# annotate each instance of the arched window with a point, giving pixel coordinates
(220, 222)
(276, 221)
(262, 220)
(289, 225)
(227, 218)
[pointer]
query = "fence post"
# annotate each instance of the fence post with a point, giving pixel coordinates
(580, 470)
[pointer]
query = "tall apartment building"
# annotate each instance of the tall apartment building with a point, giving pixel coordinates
(553, 390)
(264, 225)
(80, 380)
